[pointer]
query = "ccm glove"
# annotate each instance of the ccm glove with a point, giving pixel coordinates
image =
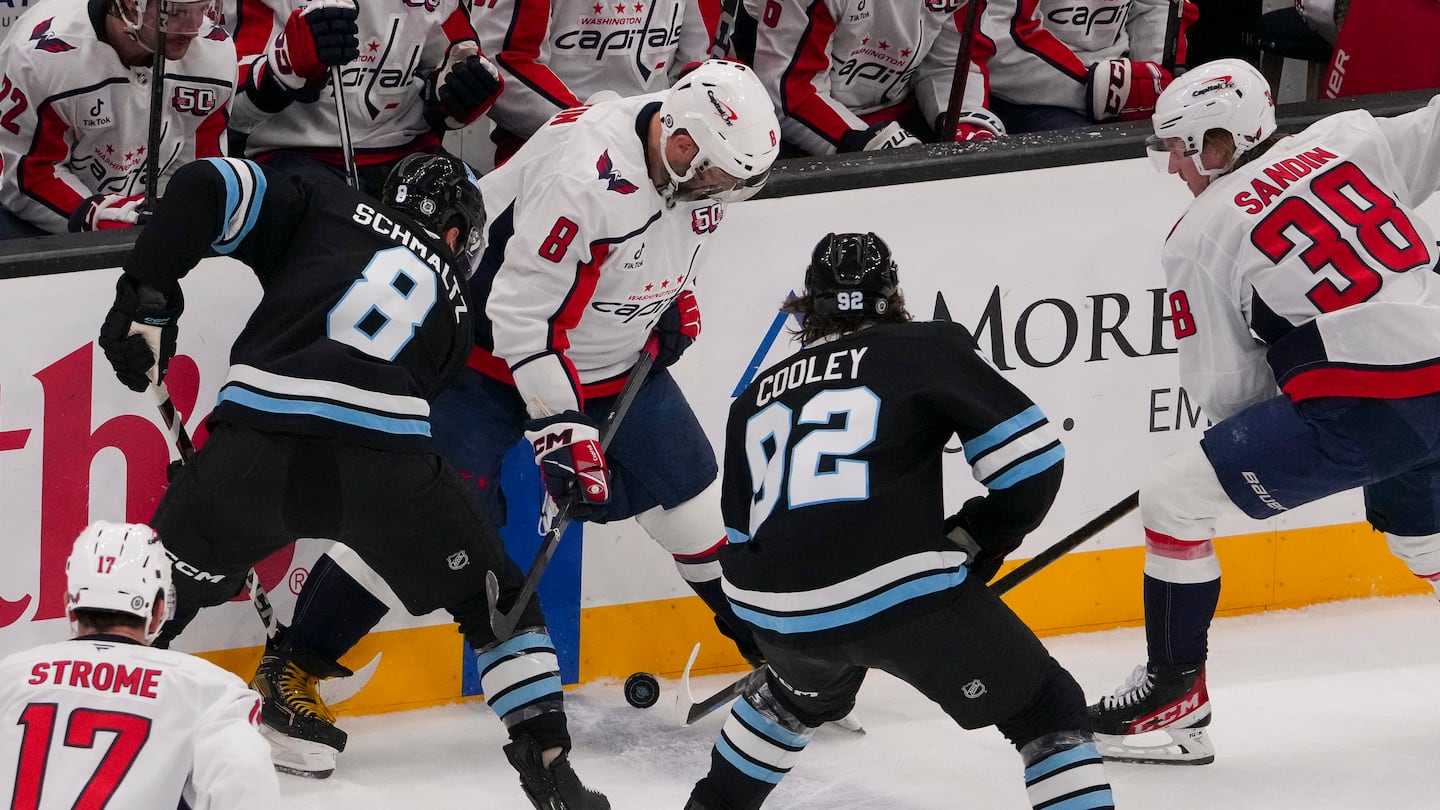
(317, 37)
(977, 125)
(1122, 90)
(138, 336)
(466, 86)
(880, 136)
(677, 328)
(567, 449)
(104, 212)
(986, 555)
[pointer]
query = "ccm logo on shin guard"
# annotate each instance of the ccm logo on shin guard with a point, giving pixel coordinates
(1262, 493)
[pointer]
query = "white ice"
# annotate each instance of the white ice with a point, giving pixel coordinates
(1333, 706)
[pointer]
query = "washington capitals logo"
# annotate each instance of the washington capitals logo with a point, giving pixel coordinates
(44, 42)
(605, 167)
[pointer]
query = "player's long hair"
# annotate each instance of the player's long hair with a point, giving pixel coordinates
(816, 325)
(1219, 138)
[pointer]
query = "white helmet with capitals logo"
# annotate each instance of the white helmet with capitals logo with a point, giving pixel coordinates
(1229, 95)
(121, 568)
(725, 109)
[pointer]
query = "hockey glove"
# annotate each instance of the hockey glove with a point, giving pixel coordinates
(985, 555)
(880, 136)
(677, 328)
(977, 125)
(1122, 90)
(317, 37)
(138, 336)
(466, 86)
(104, 212)
(567, 449)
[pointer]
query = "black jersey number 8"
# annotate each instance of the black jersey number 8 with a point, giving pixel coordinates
(380, 311)
(767, 440)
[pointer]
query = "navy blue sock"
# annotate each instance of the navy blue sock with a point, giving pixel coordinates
(1177, 620)
(333, 611)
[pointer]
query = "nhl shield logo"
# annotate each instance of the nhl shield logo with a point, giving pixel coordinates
(459, 560)
(973, 689)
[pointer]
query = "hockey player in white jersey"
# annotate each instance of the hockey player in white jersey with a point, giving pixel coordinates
(411, 72)
(599, 229)
(1306, 306)
(1067, 63)
(555, 54)
(104, 720)
(852, 75)
(75, 104)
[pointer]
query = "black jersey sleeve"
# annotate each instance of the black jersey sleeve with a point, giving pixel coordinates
(735, 488)
(1011, 446)
(217, 206)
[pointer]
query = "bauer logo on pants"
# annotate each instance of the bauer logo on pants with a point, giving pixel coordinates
(458, 560)
(974, 689)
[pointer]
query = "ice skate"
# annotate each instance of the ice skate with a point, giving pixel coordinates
(553, 788)
(300, 727)
(1158, 717)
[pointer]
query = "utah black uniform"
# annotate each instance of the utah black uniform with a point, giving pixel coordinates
(841, 557)
(323, 426)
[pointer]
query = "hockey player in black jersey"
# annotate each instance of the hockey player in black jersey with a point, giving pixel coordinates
(322, 427)
(840, 555)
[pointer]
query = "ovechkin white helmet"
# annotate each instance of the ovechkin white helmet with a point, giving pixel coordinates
(121, 568)
(728, 113)
(1226, 94)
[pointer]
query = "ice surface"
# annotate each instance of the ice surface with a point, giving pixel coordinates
(1333, 706)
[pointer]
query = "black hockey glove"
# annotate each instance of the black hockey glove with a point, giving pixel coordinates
(466, 88)
(567, 450)
(140, 330)
(986, 555)
(677, 328)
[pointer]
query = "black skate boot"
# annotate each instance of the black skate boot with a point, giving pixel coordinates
(553, 788)
(1168, 703)
(300, 727)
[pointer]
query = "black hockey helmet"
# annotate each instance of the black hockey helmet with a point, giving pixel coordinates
(851, 274)
(435, 190)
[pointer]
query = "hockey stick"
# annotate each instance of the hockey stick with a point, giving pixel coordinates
(181, 438)
(724, 29)
(1026, 570)
(962, 72)
(1171, 50)
(504, 623)
(347, 147)
(157, 102)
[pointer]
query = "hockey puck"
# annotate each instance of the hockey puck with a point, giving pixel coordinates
(642, 690)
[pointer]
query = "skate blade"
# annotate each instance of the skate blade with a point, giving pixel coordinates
(1185, 746)
(311, 760)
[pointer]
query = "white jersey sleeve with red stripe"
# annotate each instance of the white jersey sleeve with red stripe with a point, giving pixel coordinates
(101, 721)
(830, 65)
(1044, 48)
(588, 254)
(555, 54)
(401, 44)
(74, 122)
(1312, 258)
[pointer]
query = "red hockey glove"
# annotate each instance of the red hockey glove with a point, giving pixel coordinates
(139, 333)
(1122, 90)
(317, 37)
(104, 212)
(567, 449)
(677, 328)
(465, 86)
(977, 125)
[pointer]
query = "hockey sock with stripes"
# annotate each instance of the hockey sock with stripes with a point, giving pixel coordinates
(521, 680)
(1063, 771)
